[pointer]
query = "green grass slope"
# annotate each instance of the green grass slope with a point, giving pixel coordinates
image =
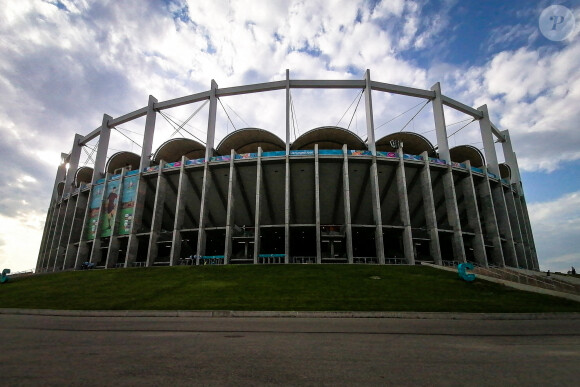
(273, 288)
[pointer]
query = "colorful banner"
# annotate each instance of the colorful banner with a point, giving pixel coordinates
(412, 157)
(172, 165)
(478, 170)
(391, 155)
(94, 206)
(304, 152)
(247, 156)
(128, 204)
(110, 207)
(433, 160)
(360, 153)
(274, 154)
(221, 158)
(330, 152)
(195, 162)
(151, 168)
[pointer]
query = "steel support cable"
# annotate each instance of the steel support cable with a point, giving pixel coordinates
(240, 117)
(349, 106)
(127, 130)
(90, 155)
(181, 126)
(355, 109)
(175, 119)
(458, 122)
(225, 111)
(397, 116)
(176, 127)
(416, 114)
(461, 128)
(294, 117)
(127, 137)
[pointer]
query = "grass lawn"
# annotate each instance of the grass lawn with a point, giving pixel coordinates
(272, 288)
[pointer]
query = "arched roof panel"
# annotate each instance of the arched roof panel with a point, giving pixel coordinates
(174, 149)
(83, 175)
(505, 171)
(119, 160)
(329, 137)
(247, 140)
(467, 152)
(413, 143)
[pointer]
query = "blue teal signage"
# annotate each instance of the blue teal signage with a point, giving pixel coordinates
(4, 277)
(462, 270)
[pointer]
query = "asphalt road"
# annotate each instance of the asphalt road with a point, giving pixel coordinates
(97, 351)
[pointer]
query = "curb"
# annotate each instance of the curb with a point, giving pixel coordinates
(291, 314)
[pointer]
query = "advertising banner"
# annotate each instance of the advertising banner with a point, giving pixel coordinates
(110, 207)
(94, 206)
(128, 204)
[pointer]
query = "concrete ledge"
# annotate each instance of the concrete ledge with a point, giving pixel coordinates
(515, 285)
(292, 314)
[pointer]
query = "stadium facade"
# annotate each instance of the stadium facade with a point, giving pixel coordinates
(326, 197)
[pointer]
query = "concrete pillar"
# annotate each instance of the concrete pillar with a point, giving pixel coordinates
(96, 252)
(524, 230)
(453, 215)
(101, 157)
(259, 184)
(488, 143)
(113, 250)
(183, 189)
(83, 252)
(76, 227)
(347, 216)
(209, 144)
(440, 126)
(503, 222)
(133, 242)
(515, 228)
(230, 215)
(157, 219)
(73, 164)
(408, 247)
(473, 219)
(287, 209)
(317, 204)
(430, 214)
(510, 158)
(204, 210)
(60, 212)
(65, 233)
(287, 176)
(490, 221)
(533, 251)
(146, 149)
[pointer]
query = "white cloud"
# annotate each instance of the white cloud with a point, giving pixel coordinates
(556, 227)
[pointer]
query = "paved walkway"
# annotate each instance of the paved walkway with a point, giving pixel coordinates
(435, 351)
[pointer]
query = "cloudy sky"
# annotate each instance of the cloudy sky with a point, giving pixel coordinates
(63, 64)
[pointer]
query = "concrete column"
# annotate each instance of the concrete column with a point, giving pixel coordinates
(52, 256)
(317, 204)
(183, 189)
(146, 149)
(408, 247)
(533, 252)
(503, 222)
(133, 242)
(259, 184)
(287, 208)
(453, 215)
(157, 219)
(113, 250)
(524, 230)
(287, 176)
(440, 126)
(101, 157)
(515, 227)
(347, 216)
(230, 215)
(488, 143)
(473, 219)
(369, 114)
(204, 209)
(83, 252)
(510, 158)
(65, 233)
(209, 144)
(42, 249)
(490, 221)
(96, 250)
(430, 214)
(73, 164)
(76, 227)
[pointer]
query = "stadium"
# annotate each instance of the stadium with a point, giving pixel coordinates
(325, 196)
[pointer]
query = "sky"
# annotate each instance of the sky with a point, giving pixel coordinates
(65, 63)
